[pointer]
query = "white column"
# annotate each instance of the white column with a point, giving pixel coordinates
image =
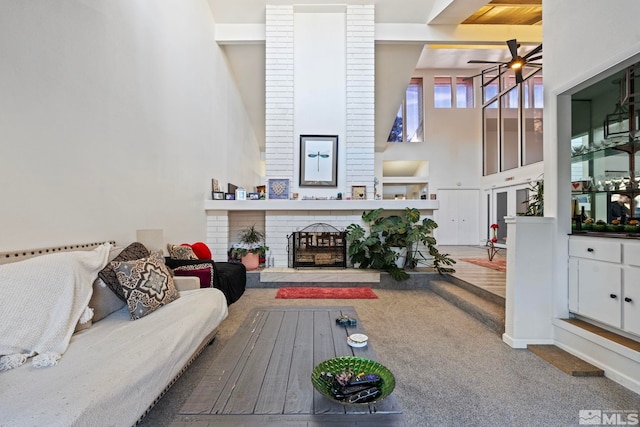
(218, 234)
(279, 147)
(361, 96)
(529, 298)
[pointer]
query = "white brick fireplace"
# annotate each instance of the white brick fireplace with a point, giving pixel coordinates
(320, 80)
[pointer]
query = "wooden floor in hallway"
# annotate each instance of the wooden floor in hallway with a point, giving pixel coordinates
(486, 278)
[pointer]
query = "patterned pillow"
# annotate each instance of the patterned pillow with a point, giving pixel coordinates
(134, 251)
(146, 283)
(181, 252)
(204, 272)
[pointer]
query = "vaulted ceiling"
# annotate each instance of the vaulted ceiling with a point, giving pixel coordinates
(410, 34)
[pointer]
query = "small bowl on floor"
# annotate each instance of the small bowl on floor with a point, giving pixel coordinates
(339, 365)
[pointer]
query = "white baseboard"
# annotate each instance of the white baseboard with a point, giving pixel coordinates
(523, 343)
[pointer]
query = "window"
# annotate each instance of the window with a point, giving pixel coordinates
(490, 91)
(442, 92)
(409, 123)
(512, 135)
(464, 92)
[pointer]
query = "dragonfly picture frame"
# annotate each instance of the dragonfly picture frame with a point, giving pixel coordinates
(318, 160)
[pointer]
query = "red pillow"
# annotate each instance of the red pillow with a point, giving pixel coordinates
(201, 250)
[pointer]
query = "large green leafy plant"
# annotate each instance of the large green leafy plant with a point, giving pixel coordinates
(373, 249)
(535, 202)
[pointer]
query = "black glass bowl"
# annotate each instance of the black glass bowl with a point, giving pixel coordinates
(357, 365)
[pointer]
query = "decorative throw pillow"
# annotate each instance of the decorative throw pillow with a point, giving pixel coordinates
(147, 284)
(201, 250)
(103, 300)
(204, 272)
(181, 252)
(134, 251)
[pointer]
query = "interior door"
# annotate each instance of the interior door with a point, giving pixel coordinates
(468, 217)
(447, 218)
(458, 217)
(502, 200)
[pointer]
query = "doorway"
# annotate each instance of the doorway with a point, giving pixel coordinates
(458, 217)
(505, 201)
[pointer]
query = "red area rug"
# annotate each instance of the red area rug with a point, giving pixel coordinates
(326, 293)
(499, 264)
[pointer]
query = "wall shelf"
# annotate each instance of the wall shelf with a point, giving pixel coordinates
(317, 205)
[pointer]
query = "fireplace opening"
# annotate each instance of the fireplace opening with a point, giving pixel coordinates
(319, 245)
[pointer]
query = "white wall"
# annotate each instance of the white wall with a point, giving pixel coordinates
(320, 88)
(453, 140)
(583, 38)
(114, 116)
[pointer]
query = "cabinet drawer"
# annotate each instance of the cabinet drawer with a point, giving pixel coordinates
(596, 249)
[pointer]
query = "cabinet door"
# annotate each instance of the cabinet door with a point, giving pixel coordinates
(599, 293)
(631, 301)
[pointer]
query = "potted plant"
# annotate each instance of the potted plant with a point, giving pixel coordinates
(395, 230)
(377, 249)
(535, 202)
(250, 248)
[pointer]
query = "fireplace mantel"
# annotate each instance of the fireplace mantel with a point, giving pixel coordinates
(317, 205)
(279, 218)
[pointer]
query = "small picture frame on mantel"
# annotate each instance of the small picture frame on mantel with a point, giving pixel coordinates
(358, 192)
(279, 189)
(241, 194)
(217, 195)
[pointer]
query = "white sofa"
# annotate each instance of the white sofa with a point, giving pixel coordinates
(113, 372)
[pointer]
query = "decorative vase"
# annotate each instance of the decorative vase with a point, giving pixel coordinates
(251, 261)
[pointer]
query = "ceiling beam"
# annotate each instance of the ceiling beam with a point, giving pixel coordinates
(403, 33)
(457, 34)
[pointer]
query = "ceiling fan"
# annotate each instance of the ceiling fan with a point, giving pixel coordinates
(517, 62)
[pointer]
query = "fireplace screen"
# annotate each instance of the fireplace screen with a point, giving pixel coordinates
(317, 246)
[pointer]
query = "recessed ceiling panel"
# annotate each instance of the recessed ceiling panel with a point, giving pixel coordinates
(508, 12)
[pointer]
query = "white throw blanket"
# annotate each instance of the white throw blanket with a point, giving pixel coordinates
(41, 301)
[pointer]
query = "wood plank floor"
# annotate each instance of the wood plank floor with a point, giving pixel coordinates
(490, 280)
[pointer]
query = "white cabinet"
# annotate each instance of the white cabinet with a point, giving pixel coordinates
(458, 217)
(604, 281)
(631, 300)
(599, 290)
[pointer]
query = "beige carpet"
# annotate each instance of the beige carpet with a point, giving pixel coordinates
(450, 369)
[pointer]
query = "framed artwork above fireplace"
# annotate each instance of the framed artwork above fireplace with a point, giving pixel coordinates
(318, 160)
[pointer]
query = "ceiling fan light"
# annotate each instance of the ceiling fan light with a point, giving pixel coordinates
(516, 64)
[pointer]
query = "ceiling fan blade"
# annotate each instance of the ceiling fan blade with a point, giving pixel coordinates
(477, 61)
(513, 48)
(519, 75)
(533, 52)
(533, 59)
